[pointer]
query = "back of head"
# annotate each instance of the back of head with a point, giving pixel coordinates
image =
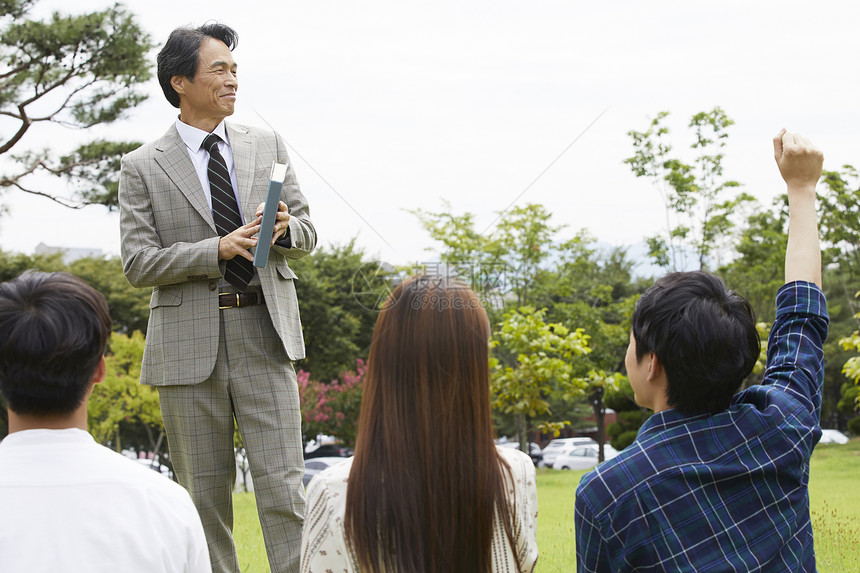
(180, 54)
(428, 363)
(704, 336)
(426, 476)
(53, 332)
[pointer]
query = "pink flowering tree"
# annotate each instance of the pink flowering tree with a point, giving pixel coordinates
(332, 408)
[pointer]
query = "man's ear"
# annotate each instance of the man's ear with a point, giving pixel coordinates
(655, 368)
(659, 385)
(178, 83)
(101, 371)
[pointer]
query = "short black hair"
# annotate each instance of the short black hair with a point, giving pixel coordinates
(54, 329)
(704, 335)
(180, 54)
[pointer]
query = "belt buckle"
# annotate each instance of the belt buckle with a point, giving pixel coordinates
(237, 305)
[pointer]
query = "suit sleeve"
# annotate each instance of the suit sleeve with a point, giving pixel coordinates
(146, 261)
(302, 237)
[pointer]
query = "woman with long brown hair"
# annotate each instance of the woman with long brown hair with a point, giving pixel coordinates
(427, 489)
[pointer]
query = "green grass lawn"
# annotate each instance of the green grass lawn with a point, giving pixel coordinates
(834, 492)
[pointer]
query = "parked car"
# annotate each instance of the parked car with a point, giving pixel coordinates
(555, 447)
(535, 453)
(833, 437)
(582, 457)
(154, 465)
(314, 466)
(329, 451)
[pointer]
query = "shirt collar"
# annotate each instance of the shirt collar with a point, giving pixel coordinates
(665, 420)
(193, 137)
(25, 437)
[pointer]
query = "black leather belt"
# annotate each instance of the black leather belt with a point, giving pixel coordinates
(239, 299)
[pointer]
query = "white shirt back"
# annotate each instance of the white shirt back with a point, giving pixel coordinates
(69, 504)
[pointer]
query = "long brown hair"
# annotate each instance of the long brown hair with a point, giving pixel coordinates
(426, 483)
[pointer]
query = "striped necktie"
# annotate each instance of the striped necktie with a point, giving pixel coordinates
(225, 212)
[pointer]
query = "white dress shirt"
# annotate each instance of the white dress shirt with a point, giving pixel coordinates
(193, 140)
(69, 504)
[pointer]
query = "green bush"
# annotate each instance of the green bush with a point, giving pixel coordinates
(854, 426)
(623, 432)
(624, 439)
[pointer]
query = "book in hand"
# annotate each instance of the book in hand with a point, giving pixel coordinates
(270, 212)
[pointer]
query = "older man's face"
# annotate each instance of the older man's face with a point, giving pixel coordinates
(212, 93)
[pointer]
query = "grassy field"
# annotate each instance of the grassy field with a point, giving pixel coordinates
(834, 492)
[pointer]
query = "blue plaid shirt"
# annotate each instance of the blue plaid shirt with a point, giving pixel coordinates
(722, 492)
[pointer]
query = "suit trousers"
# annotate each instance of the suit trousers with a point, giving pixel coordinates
(253, 381)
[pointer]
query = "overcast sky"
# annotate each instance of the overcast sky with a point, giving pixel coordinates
(392, 106)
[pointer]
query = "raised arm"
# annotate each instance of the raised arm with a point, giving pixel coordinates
(795, 356)
(800, 164)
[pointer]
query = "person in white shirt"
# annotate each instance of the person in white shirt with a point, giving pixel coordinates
(427, 490)
(67, 503)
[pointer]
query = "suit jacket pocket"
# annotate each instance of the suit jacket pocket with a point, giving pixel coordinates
(165, 297)
(285, 271)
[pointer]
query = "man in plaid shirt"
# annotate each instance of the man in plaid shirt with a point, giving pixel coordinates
(718, 481)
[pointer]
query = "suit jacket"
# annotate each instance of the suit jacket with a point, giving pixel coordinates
(169, 242)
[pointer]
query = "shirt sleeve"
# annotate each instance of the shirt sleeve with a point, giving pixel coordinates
(795, 355)
(320, 550)
(590, 546)
(527, 547)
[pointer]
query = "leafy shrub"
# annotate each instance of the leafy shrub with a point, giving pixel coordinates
(854, 426)
(332, 408)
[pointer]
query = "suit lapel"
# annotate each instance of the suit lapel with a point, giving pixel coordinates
(244, 151)
(174, 159)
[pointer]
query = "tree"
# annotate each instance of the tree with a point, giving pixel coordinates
(580, 289)
(522, 242)
(129, 306)
(506, 260)
(121, 407)
(76, 71)
(698, 217)
(532, 360)
(13, 265)
(332, 408)
(839, 223)
(630, 415)
(851, 369)
(758, 270)
(597, 383)
(595, 290)
(337, 315)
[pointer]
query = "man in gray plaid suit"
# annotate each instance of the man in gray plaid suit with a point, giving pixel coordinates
(217, 347)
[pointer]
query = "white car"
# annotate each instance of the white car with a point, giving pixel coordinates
(833, 437)
(535, 452)
(313, 466)
(582, 457)
(154, 465)
(556, 446)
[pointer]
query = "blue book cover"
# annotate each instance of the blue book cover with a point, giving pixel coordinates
(270, 211)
